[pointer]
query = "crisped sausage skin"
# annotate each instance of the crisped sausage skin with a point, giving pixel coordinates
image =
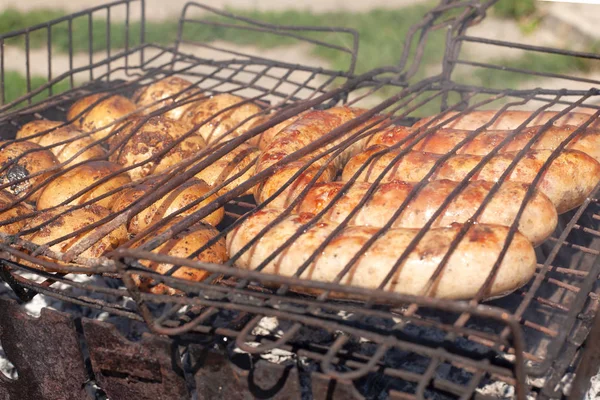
(506, 120)
(567, 181)
(538, 221)
(443, 141)
(461, 278)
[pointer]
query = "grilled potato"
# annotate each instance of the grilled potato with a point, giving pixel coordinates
(164, 93)
(35, 127)
(72, 142)
(216, 130)
(100, 111)
(19, 160)
(83, 178)
(138, 143)
(183, 245)
(7, 213)
(69, 221)
(171, 203)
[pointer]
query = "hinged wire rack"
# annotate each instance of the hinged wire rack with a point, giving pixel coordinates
(410, 347)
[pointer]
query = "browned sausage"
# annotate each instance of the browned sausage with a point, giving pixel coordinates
(567, 181)
(507, 120)
(443, 140)
(303, 132)
(461, 278)
(537, 222)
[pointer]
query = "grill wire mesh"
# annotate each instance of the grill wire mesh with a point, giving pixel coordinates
(387, 343)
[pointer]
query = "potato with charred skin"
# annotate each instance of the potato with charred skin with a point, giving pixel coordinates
(183, 245)
(7, 213)
(221, 122)
(164, 93)
(140, 141)
(73, 141)
(100, 111)
(170, 203)
(68, 221)
(81, 178)
(19, 160)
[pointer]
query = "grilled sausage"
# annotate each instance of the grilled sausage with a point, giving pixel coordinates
(225, 112)
(183, 245)
(443, 140)
(537, 222)
(264, 139)
(170, 203)
(567, 181)
(294, 137)
(83, 178)
(507, 120)
(462, 277)
(140, 141)
(69, 221)
(18, 160)
(100, 112)
(165, 92)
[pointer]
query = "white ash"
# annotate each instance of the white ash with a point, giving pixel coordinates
(594, 391)
(6, 367)
(267, 326)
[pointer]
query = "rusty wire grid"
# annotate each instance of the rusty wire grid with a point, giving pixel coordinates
(384, 342)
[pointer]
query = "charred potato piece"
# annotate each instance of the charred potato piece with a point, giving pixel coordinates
(19, 160)
(164, 93)
(68, 221)
(80, 178)
(183, 245)
(139, 142)
(219, 125)
(100, 111)
(171, 203)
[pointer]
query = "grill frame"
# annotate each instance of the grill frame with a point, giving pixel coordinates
(373, 80)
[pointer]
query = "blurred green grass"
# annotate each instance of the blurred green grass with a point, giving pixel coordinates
(15, 86)
(381, 33)
(382, 36)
